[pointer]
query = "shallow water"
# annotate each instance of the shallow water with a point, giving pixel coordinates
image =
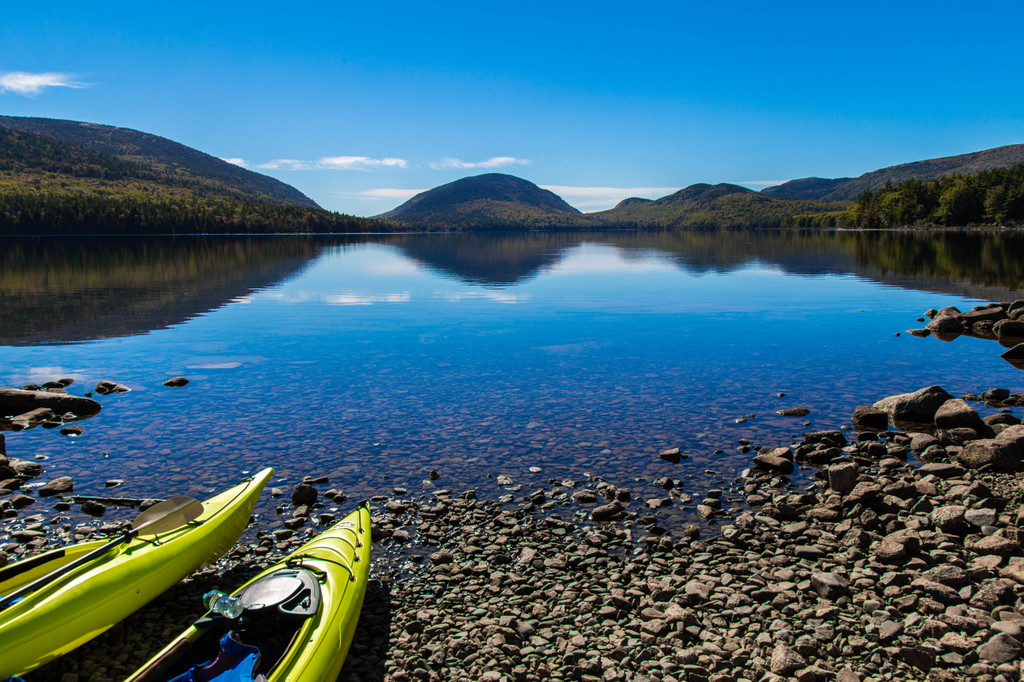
(376, 360)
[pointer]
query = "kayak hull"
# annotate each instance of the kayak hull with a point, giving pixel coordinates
(90, 599)
(340, 558)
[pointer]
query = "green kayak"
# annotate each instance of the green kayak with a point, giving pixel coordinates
(296, 622)
(92, 593)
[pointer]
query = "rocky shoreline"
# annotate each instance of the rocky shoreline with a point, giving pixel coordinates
(886, 549)
(876, 569)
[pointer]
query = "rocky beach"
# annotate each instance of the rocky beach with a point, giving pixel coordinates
(885, 548)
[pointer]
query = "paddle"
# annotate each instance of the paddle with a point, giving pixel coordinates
(159, 518)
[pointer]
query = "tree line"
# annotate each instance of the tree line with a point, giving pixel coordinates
(54, 212)
(987, 198)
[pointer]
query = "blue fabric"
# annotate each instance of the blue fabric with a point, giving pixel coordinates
(234, 663)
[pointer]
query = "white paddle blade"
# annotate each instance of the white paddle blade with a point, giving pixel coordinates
(167, 515)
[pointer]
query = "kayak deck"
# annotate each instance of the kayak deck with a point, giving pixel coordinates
(311, 646)
(60, 616)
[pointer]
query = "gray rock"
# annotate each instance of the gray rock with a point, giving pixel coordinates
(918, 407)
(869, 418)
(1013, 435)
(607, 512)
(793, 412)
(842, 477)
(1001, 648)
(304, 494)
(1009, 329)
(829, 586)
(17, 401)
(58, 486)
(981, 517)
(957, 413)
(107, 387)
(949, 518)
(93, 508)
(1002, 455)
(945, 324)
(786, 661)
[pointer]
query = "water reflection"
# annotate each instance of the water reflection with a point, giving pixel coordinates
(71, 290)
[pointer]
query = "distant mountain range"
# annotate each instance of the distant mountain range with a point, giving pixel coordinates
(71, 177)
(496, 200)
(704, 206)
(847, 189)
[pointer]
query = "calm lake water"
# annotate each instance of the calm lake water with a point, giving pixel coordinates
(376, 360)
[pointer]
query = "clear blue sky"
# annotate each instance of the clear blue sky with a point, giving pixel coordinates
(359, 104)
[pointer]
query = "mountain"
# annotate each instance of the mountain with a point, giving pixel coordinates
(492, 200)
(160, 155)
(848, 189)
(704, 206)
(48, 186)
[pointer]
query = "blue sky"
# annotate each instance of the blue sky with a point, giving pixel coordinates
(359, 105)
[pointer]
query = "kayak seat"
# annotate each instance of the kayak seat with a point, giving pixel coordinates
(235, 662)
(274, 609)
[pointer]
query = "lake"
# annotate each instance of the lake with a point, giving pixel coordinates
(546, 359)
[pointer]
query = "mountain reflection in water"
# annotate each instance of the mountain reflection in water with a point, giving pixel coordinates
(68, 290)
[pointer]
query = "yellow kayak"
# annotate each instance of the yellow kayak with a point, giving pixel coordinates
(88, 599)
(296, 622)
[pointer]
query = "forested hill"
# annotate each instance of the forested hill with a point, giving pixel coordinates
(848, 189)
(52, 187)
(987, 198)
(704, 206)
(162, 156)
(492, 200)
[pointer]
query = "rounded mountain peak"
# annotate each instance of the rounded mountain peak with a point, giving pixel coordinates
(476, 193)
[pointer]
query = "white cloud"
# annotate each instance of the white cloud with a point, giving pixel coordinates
(235, 161)
(31, 84)
(364, 299)
(597, 198)
(287, 164)
(493, 162)
(360, 162)
(335, 163)
(385, 193)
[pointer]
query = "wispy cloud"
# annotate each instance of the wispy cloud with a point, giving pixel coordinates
(235, 161)
(286, 164)
(360, 162)
(335, 163)
(386, 193)
(493, 162)
(31, 84)
(597, 198)
(367, 299)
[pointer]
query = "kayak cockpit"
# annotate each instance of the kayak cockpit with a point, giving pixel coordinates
(275, 608)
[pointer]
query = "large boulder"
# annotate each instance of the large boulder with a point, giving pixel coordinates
(945, 325)
(1014, 435)
(956, 413)
(14, 401)
(1003, 455)
(918, 407)
(1009, 329)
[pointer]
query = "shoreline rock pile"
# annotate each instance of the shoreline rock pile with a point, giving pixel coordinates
(1003, 322)
(872, 568)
